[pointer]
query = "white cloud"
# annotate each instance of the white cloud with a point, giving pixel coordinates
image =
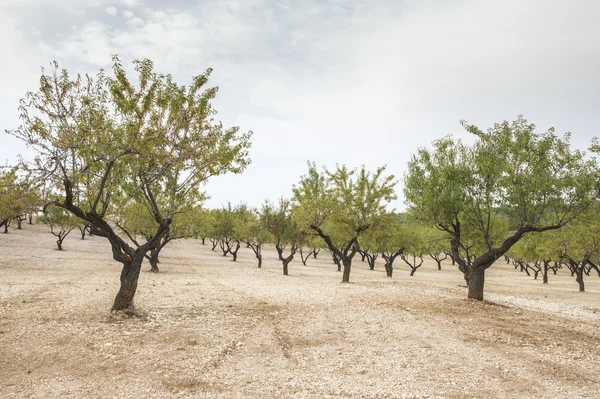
(111, 11)
(131, 3)
(128, 14)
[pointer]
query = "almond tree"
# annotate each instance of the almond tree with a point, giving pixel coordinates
(533, 182)
(284, 232)
(60, 221)
(346, 201)
(154, 142)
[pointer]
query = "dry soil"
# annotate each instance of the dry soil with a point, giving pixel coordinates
(210, 328)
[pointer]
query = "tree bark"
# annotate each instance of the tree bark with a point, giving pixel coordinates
(476, 284)
(279, 250)
(579, 279)
(316, 252)
(347, 266)
(129, 280)
(154, 260)
(389, 269)
(59, 244)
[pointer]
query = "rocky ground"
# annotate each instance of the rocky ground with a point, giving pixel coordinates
(210, 328)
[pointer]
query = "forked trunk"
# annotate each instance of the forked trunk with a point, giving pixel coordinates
(279, 251)
(129, 279)
(476, 284)
(316, 252)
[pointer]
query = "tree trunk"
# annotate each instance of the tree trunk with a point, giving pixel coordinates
(129, 280)
(285, 267)
(412, 271)
(30, 216)
(279, 251)
(315, 253)
(259, 260)
(579, 279)
(389, 268)
(203, 240)
(234, 253)
(347, 265)
(439, 263)
(476, 284)
(545, 273)
(154, 260)
(59, 244)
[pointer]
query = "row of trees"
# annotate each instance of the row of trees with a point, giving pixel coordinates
(130, 160)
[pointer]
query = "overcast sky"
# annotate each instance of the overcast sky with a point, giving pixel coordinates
(338, 81)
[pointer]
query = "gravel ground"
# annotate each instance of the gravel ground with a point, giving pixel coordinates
(211, 328)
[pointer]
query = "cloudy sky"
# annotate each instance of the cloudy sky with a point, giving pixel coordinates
(332, 81)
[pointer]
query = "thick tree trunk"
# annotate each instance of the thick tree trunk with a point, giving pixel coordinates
(579, 279)
(412, 271)
(389, 269)
(285, 268)
(59, 244)
(347, 266)
(129, 280)
(259, 260)
(476, 284)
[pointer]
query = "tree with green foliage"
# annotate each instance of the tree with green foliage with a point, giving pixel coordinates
(346, 201)
(18, 198)
(284, 232)
(579, 245)
(511, 175)
(415, 244)
(153, 141)
(253, 233)
(60, 221)
(538, 253)
(229, 228)
(436, 245)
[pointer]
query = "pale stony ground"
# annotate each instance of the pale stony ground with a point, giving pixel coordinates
(211, 328)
